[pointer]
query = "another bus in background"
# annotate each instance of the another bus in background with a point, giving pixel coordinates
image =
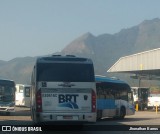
(23, 95)
(114, 98)
(7, 96)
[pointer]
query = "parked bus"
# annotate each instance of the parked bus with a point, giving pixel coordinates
(63, 89)
(7, 96)
(114, 98)
(23, 95)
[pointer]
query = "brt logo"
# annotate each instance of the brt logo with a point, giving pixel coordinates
(68, 100)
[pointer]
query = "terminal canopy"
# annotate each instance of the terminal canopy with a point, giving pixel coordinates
(145, 64)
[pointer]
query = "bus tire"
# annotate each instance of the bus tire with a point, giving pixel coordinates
(122, 113)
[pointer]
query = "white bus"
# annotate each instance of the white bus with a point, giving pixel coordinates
(114, 98)
(7, 96)
(63, 89)
(23, 95)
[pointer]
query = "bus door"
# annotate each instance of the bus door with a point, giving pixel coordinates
(131, 106)
(122, 105)
(117, 102)
(110, 102)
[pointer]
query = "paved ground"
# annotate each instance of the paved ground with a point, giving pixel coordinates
(147, 118)
(21, 111)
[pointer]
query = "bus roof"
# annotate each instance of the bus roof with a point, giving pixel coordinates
(139, 88)
(105, 79)
(6, 82)
(1, 79)
(59, 58)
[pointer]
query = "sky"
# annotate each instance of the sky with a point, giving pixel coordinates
(41, 27)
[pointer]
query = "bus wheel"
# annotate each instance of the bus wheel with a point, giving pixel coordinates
(122, 113)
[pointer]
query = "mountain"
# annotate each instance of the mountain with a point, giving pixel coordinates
(104, 49)
(18, 69)
(148, 35)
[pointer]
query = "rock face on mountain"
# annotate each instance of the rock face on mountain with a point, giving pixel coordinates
(104, 49)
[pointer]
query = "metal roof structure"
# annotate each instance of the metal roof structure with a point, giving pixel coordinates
(144, 63)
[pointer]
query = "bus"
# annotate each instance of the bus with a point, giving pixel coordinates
(7, 96)
(114, 98)
(23, 95)
(63, 89)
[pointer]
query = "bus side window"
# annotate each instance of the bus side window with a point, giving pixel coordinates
(130, 98)
(124, 95)
(111, 95)
(1, 90)
(107, 95)
(117, 95)
(98, 91)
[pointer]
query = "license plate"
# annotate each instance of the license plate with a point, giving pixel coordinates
(67, 117)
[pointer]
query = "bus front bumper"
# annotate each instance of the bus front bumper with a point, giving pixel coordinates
(7, 109)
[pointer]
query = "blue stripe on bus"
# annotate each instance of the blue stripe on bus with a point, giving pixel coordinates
(105, 104)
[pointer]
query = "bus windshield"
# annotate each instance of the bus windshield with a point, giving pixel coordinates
(66, 72)
(6, 93)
